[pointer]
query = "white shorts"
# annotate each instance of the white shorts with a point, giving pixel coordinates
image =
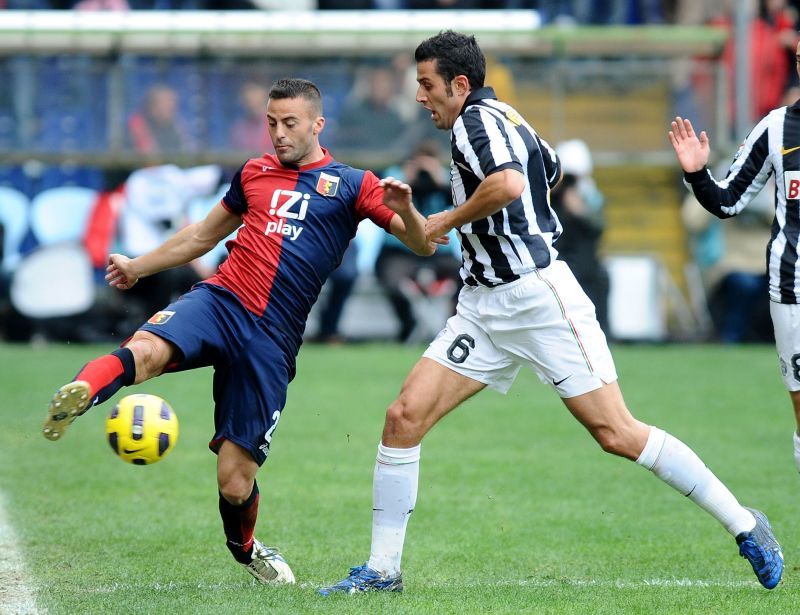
(543, 320)
(786, 320)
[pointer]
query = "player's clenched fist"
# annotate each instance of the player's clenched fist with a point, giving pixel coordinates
(119, 272)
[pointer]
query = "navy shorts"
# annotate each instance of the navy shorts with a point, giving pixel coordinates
(251, 370)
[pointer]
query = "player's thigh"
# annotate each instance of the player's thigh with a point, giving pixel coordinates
(206, 325)
(465, 348)
(250, 394)
(786, 320)
(429, 392)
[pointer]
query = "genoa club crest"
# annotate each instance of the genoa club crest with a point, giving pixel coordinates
(159, 318)
(327, 185)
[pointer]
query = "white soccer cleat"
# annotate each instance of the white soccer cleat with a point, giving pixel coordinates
(268, 566)
(69, 402)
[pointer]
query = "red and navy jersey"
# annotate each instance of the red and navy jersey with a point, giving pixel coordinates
(297, 224)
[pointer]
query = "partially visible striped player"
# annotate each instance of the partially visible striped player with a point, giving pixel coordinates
(296, 212)
(520, 307)
(772, 148)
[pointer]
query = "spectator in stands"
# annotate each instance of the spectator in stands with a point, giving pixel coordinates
(101, 5)
(402, 274)
(730, 256)
(769, 65)
(579, 206)
(418, 5)
(783, 19)
(348, 5)
(156, 200)
(369, 121)
(157, 127)
(249, 131)
(339, 288)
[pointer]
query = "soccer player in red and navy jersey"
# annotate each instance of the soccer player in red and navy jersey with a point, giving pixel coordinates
(296, 211)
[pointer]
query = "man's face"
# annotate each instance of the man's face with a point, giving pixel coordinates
(294, 128)
(444, 100)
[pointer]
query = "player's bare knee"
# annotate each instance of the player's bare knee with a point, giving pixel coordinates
(235, 489)
(610, 440)
(150, 354)
(402, 420)
(617, 441)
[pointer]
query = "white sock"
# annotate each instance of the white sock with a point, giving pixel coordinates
(678, 466)
(796, 440)
(394, 494)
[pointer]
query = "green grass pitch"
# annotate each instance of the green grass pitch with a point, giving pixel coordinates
(518, 510)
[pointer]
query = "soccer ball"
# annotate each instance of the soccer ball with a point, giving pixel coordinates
(142, 429)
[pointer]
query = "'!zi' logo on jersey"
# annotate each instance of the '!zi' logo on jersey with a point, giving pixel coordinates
(327, 185)
(287, 205)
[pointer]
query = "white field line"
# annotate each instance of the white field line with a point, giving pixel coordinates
(172, 586)
(16, 591)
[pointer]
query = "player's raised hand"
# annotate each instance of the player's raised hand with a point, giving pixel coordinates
(396, 195)
(119, 272)
(692, 151)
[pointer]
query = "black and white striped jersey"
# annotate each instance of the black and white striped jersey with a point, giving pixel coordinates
(487, 137)
(772, 147)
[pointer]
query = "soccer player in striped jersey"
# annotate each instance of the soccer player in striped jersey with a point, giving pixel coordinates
(771, 148)
(520, 307)
(296, 212)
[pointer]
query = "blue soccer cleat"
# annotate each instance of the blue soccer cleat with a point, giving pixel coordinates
(365, 579)
(759, 547)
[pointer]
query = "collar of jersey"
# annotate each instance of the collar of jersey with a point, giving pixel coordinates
(322, 162)
(479, 94)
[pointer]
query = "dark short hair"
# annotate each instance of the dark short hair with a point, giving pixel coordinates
(297, 88)
(455, 54)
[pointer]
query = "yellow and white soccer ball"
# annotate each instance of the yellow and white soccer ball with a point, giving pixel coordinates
(142, 429)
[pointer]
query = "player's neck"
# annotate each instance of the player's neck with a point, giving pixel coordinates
(314, 156)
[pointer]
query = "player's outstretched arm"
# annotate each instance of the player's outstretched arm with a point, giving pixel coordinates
(493, 193)
(408, 225)
(189, 243)
(692, 151)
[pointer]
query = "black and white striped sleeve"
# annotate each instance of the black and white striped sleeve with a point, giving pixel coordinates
(746, 177)
(482, 139)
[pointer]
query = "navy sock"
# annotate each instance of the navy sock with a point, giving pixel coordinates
(108, 374)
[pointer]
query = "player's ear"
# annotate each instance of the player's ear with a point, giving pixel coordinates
(319, 124)
(461, 85)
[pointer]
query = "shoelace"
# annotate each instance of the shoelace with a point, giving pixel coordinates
(266, 552)
(357, 574)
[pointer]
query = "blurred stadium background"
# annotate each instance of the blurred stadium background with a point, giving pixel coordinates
(610, 73)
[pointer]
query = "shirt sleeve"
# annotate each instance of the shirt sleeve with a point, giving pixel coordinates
(746, 177)
(369, 203)
(234, 200)
(483, 141)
